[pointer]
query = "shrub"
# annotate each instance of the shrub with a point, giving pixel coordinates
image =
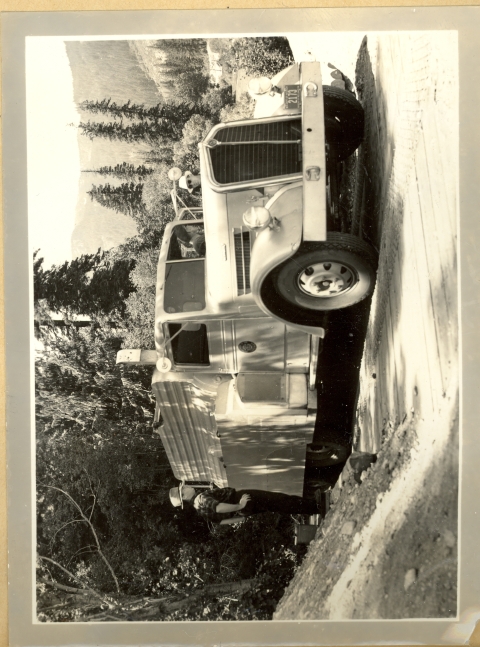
(156, 194)
(262, 56)
(144, 274)
(215, 99)
(191, 85)
(242, 109)
(140, 309)
(260, 548)
(185, 152)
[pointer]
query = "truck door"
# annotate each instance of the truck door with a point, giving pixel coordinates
(259, 345)
(246, 345)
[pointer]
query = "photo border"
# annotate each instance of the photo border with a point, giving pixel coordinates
(18, 325)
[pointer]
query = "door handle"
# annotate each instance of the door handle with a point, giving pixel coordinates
(312, 173)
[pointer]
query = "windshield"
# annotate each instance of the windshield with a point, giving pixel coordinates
(185, 286)
(187, 241)
(185, 269)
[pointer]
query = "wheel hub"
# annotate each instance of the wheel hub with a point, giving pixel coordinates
(326, 279)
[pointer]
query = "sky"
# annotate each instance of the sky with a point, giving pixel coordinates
(52, 149)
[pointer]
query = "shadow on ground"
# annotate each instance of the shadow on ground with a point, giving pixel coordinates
(342, 349)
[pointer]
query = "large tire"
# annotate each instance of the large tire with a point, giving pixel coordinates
(326, 453)
(327, 276)
(344, 122)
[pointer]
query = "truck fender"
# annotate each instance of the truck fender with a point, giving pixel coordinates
(275, 244)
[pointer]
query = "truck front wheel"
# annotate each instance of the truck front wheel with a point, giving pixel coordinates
(327, 276)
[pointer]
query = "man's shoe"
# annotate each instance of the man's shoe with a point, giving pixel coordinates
(323, 487)
(322, 501)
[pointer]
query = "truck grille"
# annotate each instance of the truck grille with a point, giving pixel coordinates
(242, 244)
(257, 151)
(286, 130)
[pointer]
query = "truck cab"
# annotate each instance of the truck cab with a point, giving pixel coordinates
(243, 283)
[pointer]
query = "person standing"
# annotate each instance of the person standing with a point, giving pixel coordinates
(227, 505)
(190, 182)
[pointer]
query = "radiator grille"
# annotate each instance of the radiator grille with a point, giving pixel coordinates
(288, 130)
(242, 243)
(257, 151)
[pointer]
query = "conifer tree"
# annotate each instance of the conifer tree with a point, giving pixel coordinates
(147, 131)
(184, 52)
(123, 171)
(89, 285)
(178, 112)
(126, 198)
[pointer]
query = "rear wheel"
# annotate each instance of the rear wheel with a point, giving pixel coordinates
(344, 122)
(327, 276)
(326, 453)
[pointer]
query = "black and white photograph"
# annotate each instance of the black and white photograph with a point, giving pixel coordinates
(226, 365)
(245, 328)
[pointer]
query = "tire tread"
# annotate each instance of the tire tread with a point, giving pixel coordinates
(341, 241)
(337, 100)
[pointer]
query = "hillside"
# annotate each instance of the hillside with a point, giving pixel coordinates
(109, 69)
(151, 60)
(105, 69)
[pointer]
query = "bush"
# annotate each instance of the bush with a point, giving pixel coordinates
(215, 99)
(242, 109)
(185, 152)
(190, 86)
(260, 548)
(140, 309)
(260, 601)
(220, 46)
(144, 274)
(262, 56)
(156, 195)
(257, 603)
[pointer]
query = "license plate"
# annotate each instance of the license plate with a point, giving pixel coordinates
(292, 97)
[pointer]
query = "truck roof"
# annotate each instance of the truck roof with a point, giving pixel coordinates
(189, 432)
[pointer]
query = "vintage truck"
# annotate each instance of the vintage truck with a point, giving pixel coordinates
(242, 284)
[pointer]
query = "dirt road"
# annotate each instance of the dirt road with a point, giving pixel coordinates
(388, 548)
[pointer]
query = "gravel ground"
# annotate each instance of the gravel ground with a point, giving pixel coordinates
(383, 551)
(388, 547)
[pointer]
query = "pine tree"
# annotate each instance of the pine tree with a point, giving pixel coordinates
(82, 367)
(123, 171)
(109, 107)
(89, 285)
(147, 131)
(161, 155)
(126, 198)
(96, 107)
(178, 112)
(184, 52)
